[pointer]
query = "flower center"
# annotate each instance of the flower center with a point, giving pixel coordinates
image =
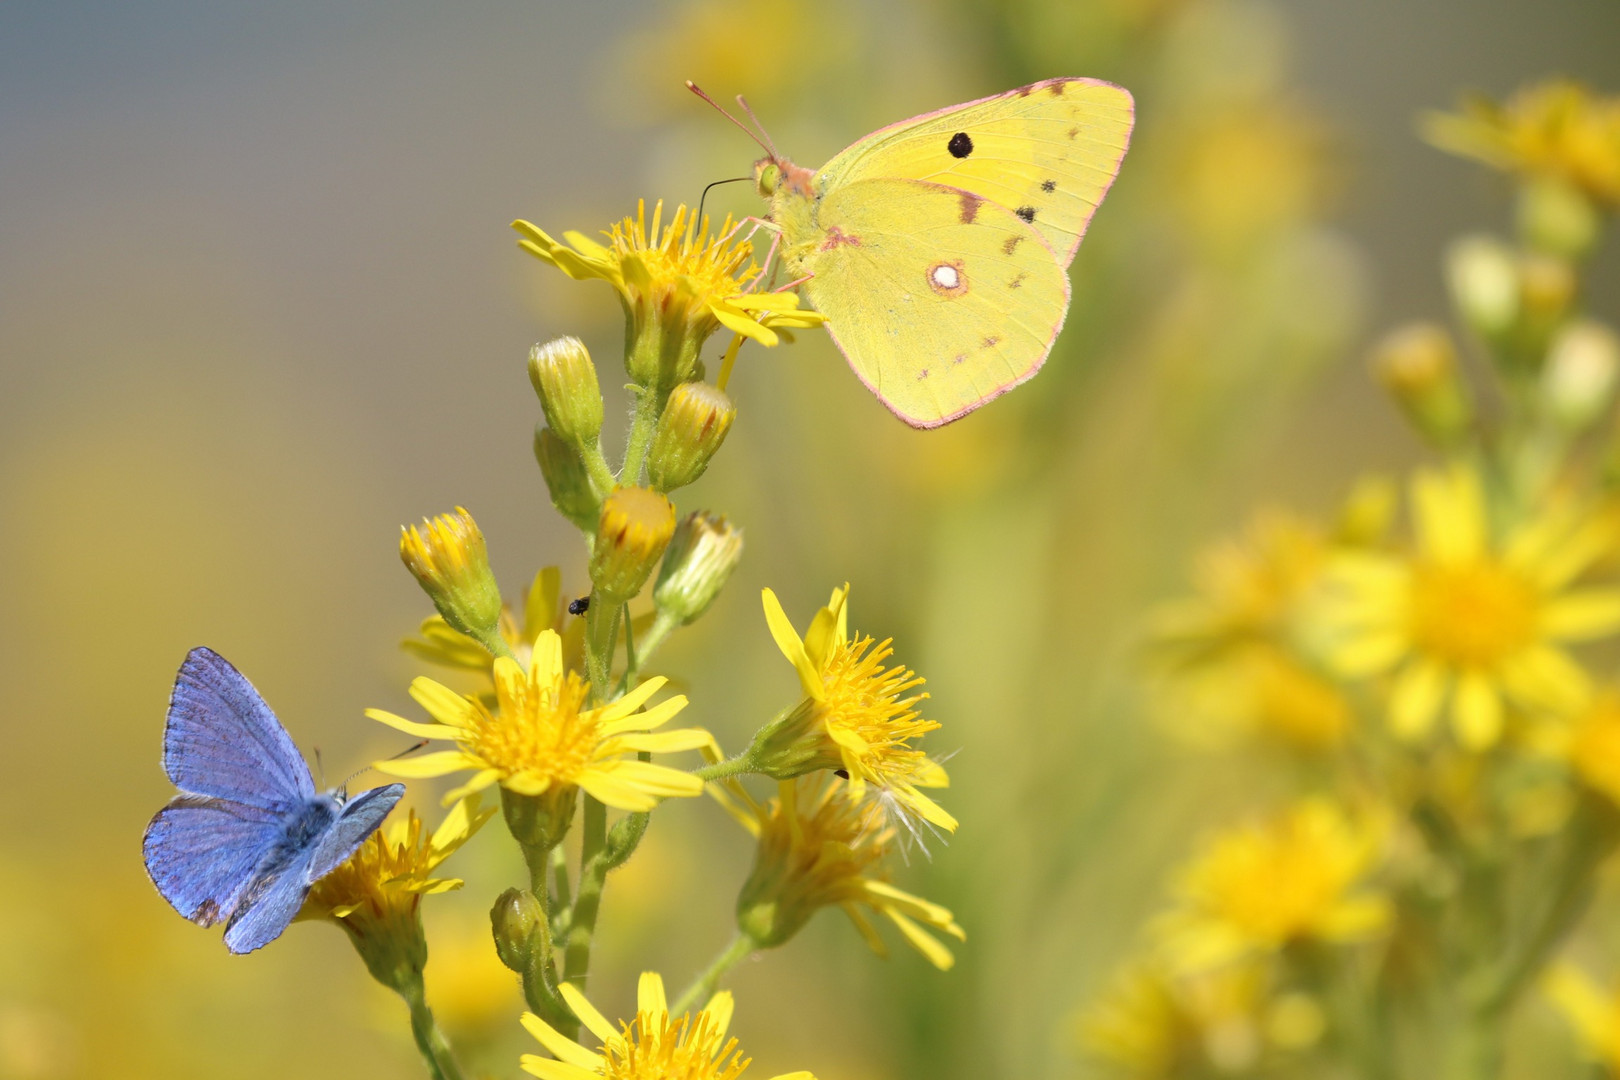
(540, 730)
(864, 698)
(1274, 890)
(1472, 616)
(676, 1049)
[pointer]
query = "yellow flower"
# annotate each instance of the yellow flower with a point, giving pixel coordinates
(1592, 1011)
(856, 715)
(1594, 744)
(1152, 1025)
(1465, 614)
(653, 1046)
(448, 558)
(678, 286)
(541, 740)
(1263, 886)
(376, 895)
(817, 850)
(1556, 129)
(1249, 588)
(544, 608)
(1260, 690)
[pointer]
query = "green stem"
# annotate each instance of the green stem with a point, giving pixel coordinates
(699, 993)
(663, 625)
(434, 1047)
(742, 763)
(495, 644)
(559, 869)
(642, 426)
(596, 466)
(540, 973)
(593, 868)
(601, 634)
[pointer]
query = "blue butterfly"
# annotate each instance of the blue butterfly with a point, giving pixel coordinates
(248, 835)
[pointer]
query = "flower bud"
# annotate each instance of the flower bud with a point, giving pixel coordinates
(1417, 364)
(448, 558)
(1546, 287)
(1578, 381)
(1557, 218)
(1484, 284)
(565, 379)
(513, 921)
(635, 527)
(539, 822)
(696, 418)
(572, 492)
(704, 551)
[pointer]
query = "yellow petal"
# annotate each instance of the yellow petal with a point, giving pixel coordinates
(1476, 711)
(440, 763)
(594, 1021)
(928, 808)
(720, 1008)
(663, 742)
(479, 782)
(1369, 654)
(560, 1045)
(631, 701)
(1450, 512)
(922, 941)
(739, 322)
(1414, 701)
(545, 663)
(787, 639)
(551, 1069)
(411, 727)
(443, 703)
(1582, 615)
(650, 996)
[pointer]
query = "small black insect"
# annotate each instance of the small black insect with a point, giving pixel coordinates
(580, 606)
(1027, 213)
(960, 145)
(842, 774)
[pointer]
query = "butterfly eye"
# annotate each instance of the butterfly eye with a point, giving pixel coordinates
(768, 176)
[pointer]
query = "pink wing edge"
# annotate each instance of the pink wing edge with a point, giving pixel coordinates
(1025, 91)
(1040, 362)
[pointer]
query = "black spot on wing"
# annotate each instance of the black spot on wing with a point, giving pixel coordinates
(961, 145)
(1048, 185)
(1009, 245)
(1027, 213)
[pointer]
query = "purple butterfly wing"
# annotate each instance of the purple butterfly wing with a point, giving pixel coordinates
(222, 740)
(269, 905)
(201, 853)
(357, 820)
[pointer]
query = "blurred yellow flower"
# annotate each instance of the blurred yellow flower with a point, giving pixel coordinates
(678, 285)
(1556, 129)
(1261, 690)
(1249, 588)
(541, 739)
(856, 715)
(1593, 1012)
(1594, 744)
(818, 850)
(1464, 614)
(1260, 887)
(653, 1046)
(1152, 1025)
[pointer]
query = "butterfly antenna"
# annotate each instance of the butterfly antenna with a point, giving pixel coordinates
(764, 134)
(413, 748)
(701, 199)
(763, 144)
(320, 770)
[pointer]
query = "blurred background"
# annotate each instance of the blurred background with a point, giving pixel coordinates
(259, 305)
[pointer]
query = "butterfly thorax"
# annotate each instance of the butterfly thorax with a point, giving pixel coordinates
(792, 192)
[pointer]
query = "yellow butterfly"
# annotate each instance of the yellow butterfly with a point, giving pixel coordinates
(938, 247)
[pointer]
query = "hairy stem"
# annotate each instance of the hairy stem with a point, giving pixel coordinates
(702, 989)
(430, 1041)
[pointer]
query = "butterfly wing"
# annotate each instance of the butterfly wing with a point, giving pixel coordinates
(223, 741)
(358, 819)
(201, 853)
(1049, 152)
(939, 299)
(270, 902)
